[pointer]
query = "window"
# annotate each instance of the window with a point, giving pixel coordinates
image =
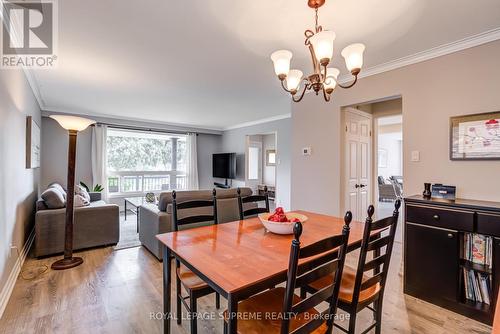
(140, 162)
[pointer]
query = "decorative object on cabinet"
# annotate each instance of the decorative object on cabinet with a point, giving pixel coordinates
(427, 191)
(475, 137)
(452, 254)
(442, 191)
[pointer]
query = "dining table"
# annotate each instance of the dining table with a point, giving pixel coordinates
(241, 258)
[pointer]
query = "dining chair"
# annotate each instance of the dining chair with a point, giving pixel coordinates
(193, 284)
(292, 313)
(252, 199)
(358, 290)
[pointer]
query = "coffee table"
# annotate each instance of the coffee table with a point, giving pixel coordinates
(133, 206)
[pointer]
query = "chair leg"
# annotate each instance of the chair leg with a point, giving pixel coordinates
(225, 327)
(178, 294)
(352, 323)
(378, 319)
(217, 300)
(193, 313)
(303, 293)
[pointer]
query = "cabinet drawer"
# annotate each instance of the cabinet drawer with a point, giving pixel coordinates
(445, 218)
(488, 224)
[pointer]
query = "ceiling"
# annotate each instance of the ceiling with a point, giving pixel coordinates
(206, 63)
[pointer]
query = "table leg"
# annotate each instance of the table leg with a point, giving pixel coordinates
(125, 210)
(232, 308)
(167, 279)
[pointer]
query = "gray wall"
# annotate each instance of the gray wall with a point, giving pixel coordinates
(235, 141)
(18, 185)
(207, 145)
(55, 150)
(461, 83)
(55, 154)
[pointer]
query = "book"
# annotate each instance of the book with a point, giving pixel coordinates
(478, 248)
(485, 294)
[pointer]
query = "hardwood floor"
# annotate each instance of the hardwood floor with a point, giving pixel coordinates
(118, 291)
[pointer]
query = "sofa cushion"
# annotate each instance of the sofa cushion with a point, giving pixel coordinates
(53, 198)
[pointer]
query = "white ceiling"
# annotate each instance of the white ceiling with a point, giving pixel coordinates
(206, 62)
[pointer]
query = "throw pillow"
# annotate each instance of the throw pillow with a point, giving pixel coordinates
(81, 201)
(79, 190)
(53, 198)
(58, 187)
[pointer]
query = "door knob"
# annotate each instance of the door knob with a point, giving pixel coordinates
(362, 185)
(450, 235)
(357, 186)
(436, 217)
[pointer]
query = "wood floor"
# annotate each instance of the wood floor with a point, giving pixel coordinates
(118, 291)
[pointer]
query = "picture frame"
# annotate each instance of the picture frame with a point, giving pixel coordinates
(270, 157)
(475, 136)
(33, 143)
(382, 158)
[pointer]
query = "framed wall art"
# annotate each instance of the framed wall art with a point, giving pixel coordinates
(475, 137)
(32, 143)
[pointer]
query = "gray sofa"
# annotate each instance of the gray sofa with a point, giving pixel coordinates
(97, 224)
(157, 219)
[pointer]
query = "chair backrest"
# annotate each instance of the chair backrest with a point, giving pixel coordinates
(253, 199)
(324, 265)
(191, 205)
(377, 235)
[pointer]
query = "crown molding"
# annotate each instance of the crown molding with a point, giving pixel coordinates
(259, 121)
(442, 50)
(133, 121)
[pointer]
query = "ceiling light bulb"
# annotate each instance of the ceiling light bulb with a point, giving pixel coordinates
(353, 55)
(332, 74)
(322, 43)
(293, 80)
(74, 123)
(281, 60)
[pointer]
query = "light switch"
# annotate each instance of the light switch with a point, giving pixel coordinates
(306, 151)
(415, 156)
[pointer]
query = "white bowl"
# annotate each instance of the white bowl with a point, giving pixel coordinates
(278, 227)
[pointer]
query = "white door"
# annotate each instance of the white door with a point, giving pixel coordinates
(253, 165)
(358, 162)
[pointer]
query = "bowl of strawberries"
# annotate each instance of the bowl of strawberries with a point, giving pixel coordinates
(280, 222)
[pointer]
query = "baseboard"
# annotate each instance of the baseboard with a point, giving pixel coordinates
(11, 281)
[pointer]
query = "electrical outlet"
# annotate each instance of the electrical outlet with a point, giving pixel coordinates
(415, 156)
(306, 151)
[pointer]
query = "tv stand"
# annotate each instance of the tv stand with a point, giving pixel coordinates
(224, 185)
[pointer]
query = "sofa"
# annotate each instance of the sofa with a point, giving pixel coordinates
(156, 219)
(97, 224)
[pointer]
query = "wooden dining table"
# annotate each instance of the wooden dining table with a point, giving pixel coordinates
(241, 258)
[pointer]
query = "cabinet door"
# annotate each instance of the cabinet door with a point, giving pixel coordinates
(431, 263)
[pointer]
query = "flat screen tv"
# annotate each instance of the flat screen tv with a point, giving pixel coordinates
(224, 165)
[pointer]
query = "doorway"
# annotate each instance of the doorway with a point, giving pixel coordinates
(382, 184)
(261, 159)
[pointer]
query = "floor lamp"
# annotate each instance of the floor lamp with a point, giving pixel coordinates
(73, 124)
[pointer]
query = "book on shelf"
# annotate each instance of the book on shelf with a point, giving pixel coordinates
(478, 248)
(477, 286)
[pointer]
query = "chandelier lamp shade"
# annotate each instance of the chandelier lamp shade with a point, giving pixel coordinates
(324, 78)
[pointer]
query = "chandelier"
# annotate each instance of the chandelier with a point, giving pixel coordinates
(324, 78)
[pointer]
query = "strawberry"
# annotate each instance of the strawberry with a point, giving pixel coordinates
(295, 220)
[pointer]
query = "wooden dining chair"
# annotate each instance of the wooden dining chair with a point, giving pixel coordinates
(193, 284)
(358, 290)
(252, 199)
(292, 313)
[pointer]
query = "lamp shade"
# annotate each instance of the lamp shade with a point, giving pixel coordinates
(74, 123)
(332, 74)
(293, 80)
(353, 55)
(322, 43)
(281, 60)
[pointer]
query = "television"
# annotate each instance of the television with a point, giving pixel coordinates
(224, 165)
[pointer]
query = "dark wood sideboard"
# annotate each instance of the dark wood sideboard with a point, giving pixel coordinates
(433, 251)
